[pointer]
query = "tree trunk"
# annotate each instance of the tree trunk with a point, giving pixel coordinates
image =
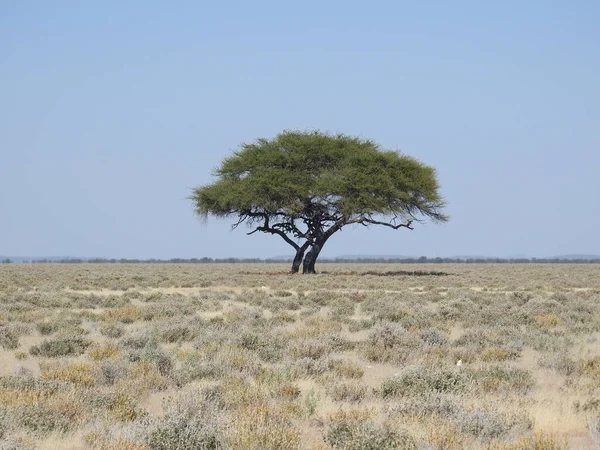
(298, 260)
(308, 266)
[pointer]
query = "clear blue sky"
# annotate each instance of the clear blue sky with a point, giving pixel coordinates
(111, 112)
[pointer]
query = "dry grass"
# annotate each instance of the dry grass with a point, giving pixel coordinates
(247, 357)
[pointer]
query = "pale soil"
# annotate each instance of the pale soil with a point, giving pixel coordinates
(550, 404)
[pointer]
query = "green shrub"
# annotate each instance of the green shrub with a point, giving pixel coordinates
(562, 364)
(29, 384)
(503, 379)
(46, 328)
(112, 330)
(177, 333)
(73, 346)
(4, 422)
(425, 406)
(347, 392)
(151, 353)
(111, 371)
(489, 424)
(192, 421)
(433, 337)
(195, 367)
(311, 401)
(419, 380)
(349, 435)
(40, 419)
(9, 339)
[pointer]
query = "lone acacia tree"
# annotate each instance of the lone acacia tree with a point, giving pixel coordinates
(306, 186)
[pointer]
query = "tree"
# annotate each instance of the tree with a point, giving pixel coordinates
(306, 186)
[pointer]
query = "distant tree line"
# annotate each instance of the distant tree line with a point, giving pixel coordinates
(421, 260)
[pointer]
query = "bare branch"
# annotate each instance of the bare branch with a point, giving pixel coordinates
(368, 221)
(267, 229)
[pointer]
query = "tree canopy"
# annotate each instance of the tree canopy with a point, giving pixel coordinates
(305, 186)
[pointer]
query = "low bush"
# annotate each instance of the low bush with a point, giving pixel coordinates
(77, 373)
(112, 330)
(261, 428)
(47, 328)
(347, 391)
(40, 420)
(349, 435)
(418, 380)
(9, 339)
(61, 347)
(192, 420)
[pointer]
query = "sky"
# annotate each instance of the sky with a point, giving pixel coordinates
(112, 111)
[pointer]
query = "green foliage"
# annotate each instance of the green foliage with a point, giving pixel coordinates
(308, 185)
(311, 401)
(283, 173)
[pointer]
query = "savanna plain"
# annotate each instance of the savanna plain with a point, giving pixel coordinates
(359, 356)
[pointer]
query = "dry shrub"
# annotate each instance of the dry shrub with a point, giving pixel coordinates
(548, 320)
(193, 420)
(120, 443)
(313, 327)
(195, 366)
(80, 374)
(104, 351)
(309, 348)
(262, 428)
(233, 358)
(124, 408)
(348, 369)
(9, 339)
(349, 435)
(144, 376)
(112, 330)
(347, 391)
(561, 363)
(590, 367)
(71, 405)
(489, 424)
(22, 397)
(70, 346)
(536, 441)
(285, 390)
(128, 314)
(495, 354)
(419, 380)
(353, 415)
(390, 342)
(238, 392)
(41, 420)
(46, 328)
(503, 379)
(444, 437)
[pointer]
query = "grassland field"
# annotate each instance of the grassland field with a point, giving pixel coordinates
(359, 356)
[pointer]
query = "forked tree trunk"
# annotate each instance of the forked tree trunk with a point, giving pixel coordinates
(299, 257)
(298, 260)
(308, 266)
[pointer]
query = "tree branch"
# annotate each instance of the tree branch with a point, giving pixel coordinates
(367, 221)
(267, 229)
